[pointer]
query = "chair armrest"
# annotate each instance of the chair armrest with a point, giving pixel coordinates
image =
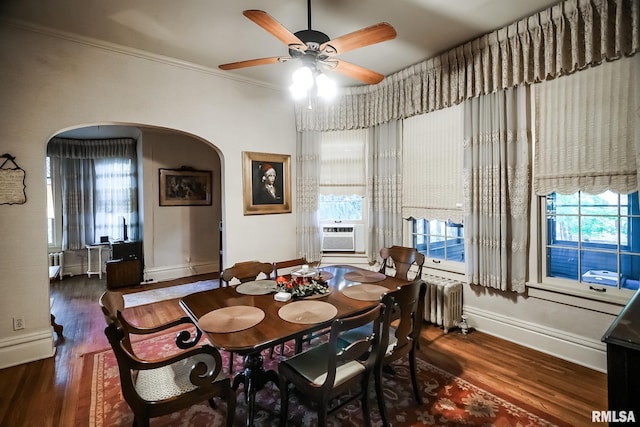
(184, 338)
(201, 373)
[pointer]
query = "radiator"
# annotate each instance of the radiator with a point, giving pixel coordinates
(443, 302)
(56, 258)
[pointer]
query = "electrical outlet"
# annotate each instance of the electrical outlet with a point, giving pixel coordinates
(18, 323)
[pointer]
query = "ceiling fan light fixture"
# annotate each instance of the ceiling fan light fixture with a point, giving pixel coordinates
(326, 88)
(303, 78)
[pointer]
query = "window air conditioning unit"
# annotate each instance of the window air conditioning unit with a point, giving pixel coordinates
(338, 239)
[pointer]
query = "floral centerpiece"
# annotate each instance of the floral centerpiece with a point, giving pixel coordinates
(300, 287)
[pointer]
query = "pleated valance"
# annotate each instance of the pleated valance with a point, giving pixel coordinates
(92, 148)
(567, 37)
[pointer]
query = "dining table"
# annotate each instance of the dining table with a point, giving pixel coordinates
(256, 321)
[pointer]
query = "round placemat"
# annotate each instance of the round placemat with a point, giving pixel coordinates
(231, 319)
(364, 276)
(307, 312)
(257, 287)
(326, 275)
(365, 292)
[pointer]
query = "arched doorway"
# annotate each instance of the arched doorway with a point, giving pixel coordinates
(177, 241)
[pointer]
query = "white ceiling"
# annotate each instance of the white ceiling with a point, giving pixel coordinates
(213, 32)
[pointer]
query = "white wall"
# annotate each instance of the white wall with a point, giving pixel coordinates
(51, 84)
(179, 241)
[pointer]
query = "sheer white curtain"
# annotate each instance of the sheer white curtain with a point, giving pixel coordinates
(432, 165)
(307, 184)
(99, 188)
(78, 204)
(384, 187)
(588, 137)
(496, 189)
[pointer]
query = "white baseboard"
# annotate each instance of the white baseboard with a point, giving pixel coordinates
(574, 348)
(26, 348)
(161, 274)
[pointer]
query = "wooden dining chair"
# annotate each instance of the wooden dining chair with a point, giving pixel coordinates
(285, 267)
(401, 258)
(327, 371)
(401, 327)
(247, 271)
(163, 385)
(243, 272)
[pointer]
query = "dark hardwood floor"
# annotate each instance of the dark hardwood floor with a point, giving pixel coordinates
(45, 392)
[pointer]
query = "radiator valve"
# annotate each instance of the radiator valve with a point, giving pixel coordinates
(463, 325)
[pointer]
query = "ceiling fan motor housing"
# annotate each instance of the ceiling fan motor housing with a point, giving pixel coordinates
(312, 38)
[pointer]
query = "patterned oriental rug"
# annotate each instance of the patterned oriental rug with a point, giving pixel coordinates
(448, 400)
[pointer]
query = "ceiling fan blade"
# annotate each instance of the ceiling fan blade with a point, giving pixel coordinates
(357, 72)
(365, 37)
(252, 63)
(267, 22)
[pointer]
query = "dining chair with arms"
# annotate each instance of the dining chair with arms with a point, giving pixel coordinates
(163, 385)
(243, 272)
(330, 370)
(402, 258)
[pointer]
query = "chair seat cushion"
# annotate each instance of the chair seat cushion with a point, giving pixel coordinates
(313, 366)
(172, 380)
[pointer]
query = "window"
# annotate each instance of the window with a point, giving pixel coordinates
(51, 218)
(340, 208)
(94, 189)
(440, 240)
(594, 239)
(342, 176)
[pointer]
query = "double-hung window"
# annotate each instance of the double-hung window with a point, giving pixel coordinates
(432, 186)
(594, 239)
(342, 176)
(439, 240)
(586, 177)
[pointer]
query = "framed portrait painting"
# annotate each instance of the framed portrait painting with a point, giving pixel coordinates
(185, 187)
(266, 182)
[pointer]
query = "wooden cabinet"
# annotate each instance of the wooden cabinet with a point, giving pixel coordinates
(121, 273)
(623, 360)
(126, 265)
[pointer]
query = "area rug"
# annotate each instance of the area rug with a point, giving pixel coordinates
(171, 292)
(448, 400)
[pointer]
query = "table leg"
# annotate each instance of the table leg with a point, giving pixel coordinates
(253, 378)
(57, 328)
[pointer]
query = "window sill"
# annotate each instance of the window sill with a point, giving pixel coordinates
(590, 300)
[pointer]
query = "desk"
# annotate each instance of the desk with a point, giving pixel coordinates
(272, 330)
(90, 249)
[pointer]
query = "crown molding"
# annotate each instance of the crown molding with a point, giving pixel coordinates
(129, 51)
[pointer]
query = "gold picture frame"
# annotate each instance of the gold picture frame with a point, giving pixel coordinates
(266, 180)
(185, 187)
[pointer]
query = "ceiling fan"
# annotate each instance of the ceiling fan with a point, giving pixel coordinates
(315, 49)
